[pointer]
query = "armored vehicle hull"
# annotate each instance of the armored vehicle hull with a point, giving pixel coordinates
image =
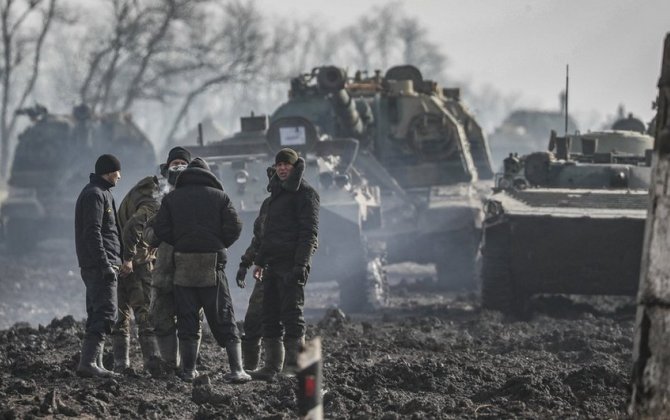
(588, 242)
(52, 162)
(572, 226)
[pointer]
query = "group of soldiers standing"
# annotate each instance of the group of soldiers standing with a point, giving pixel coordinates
(161, 259)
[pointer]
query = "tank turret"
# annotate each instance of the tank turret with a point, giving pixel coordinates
(422, 148)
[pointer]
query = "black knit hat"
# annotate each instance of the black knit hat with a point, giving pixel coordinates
(286, 155)
(199, 163)
(106, 164)
(178, 153)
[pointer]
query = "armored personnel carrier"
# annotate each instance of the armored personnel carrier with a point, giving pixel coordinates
(52, 162)
(349, 205)
(568, 220)
(420, 146)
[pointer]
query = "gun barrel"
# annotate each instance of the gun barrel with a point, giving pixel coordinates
(332, 80)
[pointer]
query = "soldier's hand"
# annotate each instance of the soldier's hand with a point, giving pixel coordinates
(241, 274)
(258, 273)
(126, 268)
(300, 273)
(109, 273)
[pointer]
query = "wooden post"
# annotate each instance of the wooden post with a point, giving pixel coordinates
(651, 354)
(310, 380)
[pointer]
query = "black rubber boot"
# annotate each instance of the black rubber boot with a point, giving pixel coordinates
(101, 353)
(273, 361)
(88, 362)
(237, 374)
(121, 351)
(149, 348)
(251, 353)
(293, 346)
(189, 356)
(169, 349)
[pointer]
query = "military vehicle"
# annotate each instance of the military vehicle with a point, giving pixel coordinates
(349, 205)
(52, 162)
(423, 149)
(568, 220)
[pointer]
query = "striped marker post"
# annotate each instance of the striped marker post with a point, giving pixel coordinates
(310, 403)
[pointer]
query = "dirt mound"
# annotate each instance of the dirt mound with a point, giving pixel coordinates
(430, 361)
(430, 355)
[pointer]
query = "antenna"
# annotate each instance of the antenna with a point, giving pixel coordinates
(567, 87)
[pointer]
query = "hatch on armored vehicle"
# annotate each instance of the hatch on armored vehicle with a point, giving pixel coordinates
(569, 220)
(350, 207)
(52, 162)
(420, 146)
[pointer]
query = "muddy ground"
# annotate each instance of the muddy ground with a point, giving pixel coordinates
(430, 355)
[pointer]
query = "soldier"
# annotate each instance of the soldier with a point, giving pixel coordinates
(99, 251)
(253, 320)
(288, 240)
(199, 221)
(162, 310)
(134, 291)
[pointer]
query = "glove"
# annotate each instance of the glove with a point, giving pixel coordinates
(300, 273)
(241, 274)
(109, 273)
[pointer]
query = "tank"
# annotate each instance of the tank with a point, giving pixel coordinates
(52, 161)
(420, 146)
(568, 220)
(350, 206)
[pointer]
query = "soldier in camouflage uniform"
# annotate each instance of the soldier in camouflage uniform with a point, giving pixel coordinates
(134, 290)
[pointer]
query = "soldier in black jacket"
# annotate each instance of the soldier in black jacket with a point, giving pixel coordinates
(286, 244)
(99, 253)
(199, 221)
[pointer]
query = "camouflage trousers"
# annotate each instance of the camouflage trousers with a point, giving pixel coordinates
(253, 320)
(163, 312)
(134, 297)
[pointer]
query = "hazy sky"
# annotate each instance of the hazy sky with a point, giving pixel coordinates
(613, 47)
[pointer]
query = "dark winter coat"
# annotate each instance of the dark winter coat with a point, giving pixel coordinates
(197, 217)
(250, 254)
(96, 226)
(290, 222)
(138, 206)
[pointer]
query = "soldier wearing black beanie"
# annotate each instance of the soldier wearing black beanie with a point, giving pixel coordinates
(99, 250)
(106, 164)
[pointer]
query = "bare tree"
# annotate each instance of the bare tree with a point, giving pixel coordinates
(235, 53)
(143, 49)
(25, 26)
(418, 50)
(383, 36)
